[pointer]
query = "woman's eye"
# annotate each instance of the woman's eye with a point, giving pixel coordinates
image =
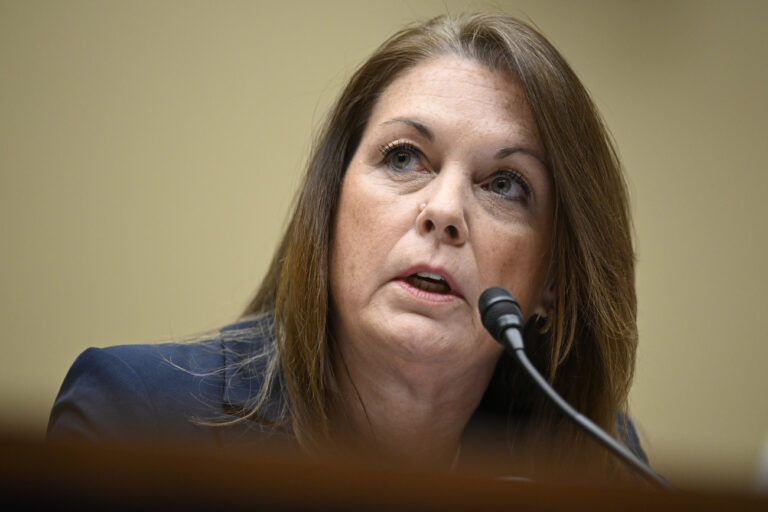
(509, 185)
(402, 157)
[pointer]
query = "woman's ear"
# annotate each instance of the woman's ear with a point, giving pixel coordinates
(547, 300)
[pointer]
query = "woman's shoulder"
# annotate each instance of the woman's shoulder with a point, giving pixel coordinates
(628, 435)
(137, 392)
(167, 366)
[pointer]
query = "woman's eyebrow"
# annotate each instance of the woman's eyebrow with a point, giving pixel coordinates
(505, 152)
(422, 129)
(427, 133)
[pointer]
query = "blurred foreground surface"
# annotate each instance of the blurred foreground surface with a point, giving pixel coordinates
(88, 477)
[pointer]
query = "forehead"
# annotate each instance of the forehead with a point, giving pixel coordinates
(460, 92)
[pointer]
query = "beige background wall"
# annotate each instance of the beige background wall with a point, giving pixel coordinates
(149, 152)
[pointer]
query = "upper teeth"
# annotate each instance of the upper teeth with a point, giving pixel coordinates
(430, 275)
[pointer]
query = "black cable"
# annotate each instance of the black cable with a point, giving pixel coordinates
(502, 317)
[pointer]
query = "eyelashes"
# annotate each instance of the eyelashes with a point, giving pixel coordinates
(401, 156)
(386, 149)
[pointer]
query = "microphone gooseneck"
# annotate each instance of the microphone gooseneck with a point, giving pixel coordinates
(503, 318)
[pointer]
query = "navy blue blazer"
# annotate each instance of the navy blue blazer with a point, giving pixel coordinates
(164, 392)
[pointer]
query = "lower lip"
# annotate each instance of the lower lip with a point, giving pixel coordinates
(425, 296)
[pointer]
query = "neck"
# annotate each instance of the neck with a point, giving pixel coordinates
(410, 412)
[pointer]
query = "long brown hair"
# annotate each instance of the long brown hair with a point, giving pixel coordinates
(587, 343)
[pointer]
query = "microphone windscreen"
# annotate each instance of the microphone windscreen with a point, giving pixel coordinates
(494, 303)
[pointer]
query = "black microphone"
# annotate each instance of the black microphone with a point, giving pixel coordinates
(503, 318)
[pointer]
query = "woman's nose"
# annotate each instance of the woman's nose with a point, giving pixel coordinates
(442, 211)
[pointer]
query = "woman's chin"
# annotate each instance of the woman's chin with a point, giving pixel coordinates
(415, 338)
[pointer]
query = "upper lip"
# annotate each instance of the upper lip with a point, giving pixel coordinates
(433, 269)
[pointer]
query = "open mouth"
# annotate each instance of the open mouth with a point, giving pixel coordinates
(428, 282)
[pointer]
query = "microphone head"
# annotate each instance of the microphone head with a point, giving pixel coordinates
(499, 310)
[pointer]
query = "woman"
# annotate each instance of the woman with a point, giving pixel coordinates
(463, 154)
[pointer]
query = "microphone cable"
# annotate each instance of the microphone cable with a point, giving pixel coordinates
(502, 317)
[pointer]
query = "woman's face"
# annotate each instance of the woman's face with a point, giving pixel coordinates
(446, 195)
